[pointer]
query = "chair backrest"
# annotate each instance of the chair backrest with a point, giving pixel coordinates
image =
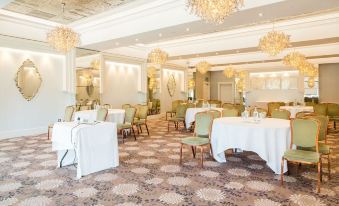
(107, 106)
(281, 114)
(137, 113)
(143, 111)
(150, 105)
(272, 106)
(304, 114)
(181, 111)
(305, 133)
(102, 114)
(190, 105)
(230, 112)
(323, 120)
(175, 104)
(200, 103)
(332, 109)
(227, 106)
(125, 106)
(239, 107)
(203, 124)
(129, 115)
(320, 109)
(215, 113)
(260, 110)
(69, 113)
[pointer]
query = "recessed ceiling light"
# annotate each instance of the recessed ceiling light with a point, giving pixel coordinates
(136, 39)
(160, 34)
(261, 14)
(187, 29)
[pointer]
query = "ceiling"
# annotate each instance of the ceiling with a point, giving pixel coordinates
(52, 9)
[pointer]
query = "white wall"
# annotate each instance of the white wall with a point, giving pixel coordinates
(122, 84)
(20, 117)
(166, 99)
(255, 96)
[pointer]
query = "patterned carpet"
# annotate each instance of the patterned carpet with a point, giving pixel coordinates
(149, 174)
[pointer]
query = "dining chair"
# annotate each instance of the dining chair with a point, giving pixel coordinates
(150, 106)
(272, 106)
(102, 114)
(200, 103)
(333, 113)
(324, 148)
(125, 106)
(303, 114)
(227, 106)
(320, 109)
(230, 113)
(173, 110)
(215, 113)
(69, 111)
(201, 136)
(239, 107)
(128, 123)
(281, 114)
(304, 133)
(143, 111)
(179, 116)
(107, 106)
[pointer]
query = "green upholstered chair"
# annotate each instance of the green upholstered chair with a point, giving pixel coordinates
(230, 113)
(303, 114)
(154, 106)
(324, 149)
(179, 116)
(143, 111)
(125, 106)
(190, 105)
(149, 106)
(102, 114)
(227, 106)
(281, 114)
(272, 106)
(333, 113)
(173, 110)
(128, 123)
(260, 110)
(320, 109)
(69, 111)
(200, 103)
(304, 133)
(215, 113)
(201, 137)
(107, 106)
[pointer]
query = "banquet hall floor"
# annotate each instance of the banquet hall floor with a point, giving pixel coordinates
(149, 174)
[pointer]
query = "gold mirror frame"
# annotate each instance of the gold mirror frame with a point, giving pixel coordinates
(22, 81)
(171, 85)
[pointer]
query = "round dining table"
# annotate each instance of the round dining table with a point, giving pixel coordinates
(190, 114)
(295, 109)
(269, 138)
(114, 115)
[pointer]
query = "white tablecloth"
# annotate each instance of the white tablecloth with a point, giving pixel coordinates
(269, 139)
(295, 109)
(114, 115)
(190, 114)
(93, 147)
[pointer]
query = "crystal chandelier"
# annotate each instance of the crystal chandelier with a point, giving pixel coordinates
(294, 59)
(157, 56)
(274, 42)
(191, 84)
(214, 11)
(229, 72)
(203, 67)
(63, 38)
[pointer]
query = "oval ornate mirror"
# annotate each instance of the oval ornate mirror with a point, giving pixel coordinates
(171, 85)
(28, 80)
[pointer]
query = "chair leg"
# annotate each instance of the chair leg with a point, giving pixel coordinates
(319, 176)
(282, 172)
(329, 166)
(134, 133)
(202, 156)
(211, 150)
(147, 129)
(48, 133)
(123, 136)
(193, 151)
(181, 154)
(140, 128)
(166, 116)
(168, 126)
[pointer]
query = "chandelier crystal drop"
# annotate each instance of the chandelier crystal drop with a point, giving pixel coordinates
(203, 67)
(157, 56)
(274, 42)
(214, 11)
(63, 39)
(229, 72)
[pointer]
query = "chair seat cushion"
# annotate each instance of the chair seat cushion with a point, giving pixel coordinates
(323, 148)
(124, 126)
(140, 121)
(176, 119)
(302, 155)
(196, 141)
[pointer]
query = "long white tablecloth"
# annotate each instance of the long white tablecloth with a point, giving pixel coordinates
(269, 139)
(93, 147)
(114, 115)
(190, 114)
(295, 109)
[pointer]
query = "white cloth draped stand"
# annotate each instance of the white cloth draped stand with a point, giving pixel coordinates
(269, 139)
(93, 146)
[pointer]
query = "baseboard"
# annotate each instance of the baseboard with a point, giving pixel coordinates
(22, 132)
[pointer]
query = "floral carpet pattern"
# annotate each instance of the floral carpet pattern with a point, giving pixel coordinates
(150, 174)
